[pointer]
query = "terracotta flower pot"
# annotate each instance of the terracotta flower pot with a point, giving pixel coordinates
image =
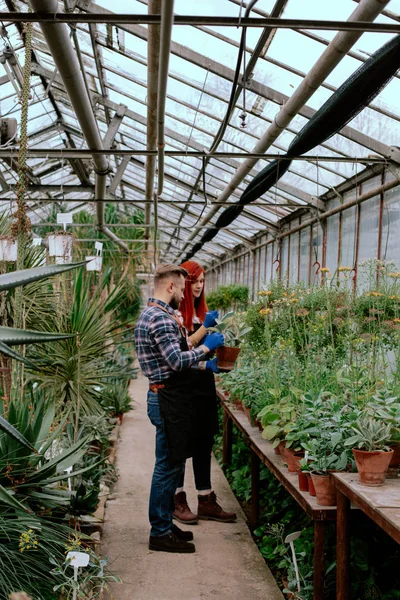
(247, 412)
(303, 481)
(325, 489)
(277, 450)
(372, 466)
(238, 404)
(292, 459)
(395, 461)
(226, 357)
(311, 488)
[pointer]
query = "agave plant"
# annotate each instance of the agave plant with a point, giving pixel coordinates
(74, 366)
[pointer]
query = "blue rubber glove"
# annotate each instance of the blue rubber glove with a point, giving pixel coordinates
(210, 319)
(213, 341)
(211, 365)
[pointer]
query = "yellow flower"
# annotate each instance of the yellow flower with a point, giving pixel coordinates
(342, 269)
(377, 294)
(396, 320)
(265, 311)
(324, 270)
(392, 297)
(395, 275)
(264, 293)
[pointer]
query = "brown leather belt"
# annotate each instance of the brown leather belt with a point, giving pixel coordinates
(154, 387)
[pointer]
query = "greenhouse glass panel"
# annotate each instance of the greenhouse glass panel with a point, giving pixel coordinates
(305, 254)
(348, 237)
(294, 257)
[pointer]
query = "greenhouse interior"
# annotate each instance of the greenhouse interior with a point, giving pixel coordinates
(200, 299)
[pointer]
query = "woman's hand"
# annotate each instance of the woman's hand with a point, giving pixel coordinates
(210, 319)
(211, 365)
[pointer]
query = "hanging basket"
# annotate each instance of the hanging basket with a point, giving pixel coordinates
(60, 246)
(8, 249)
(94, 264)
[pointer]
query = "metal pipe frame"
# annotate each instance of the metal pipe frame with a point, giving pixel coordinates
(381, 189)
(330, 58)
(153, 55)
(167, 20)
(360, 26)
(69, 153)
(65, 59)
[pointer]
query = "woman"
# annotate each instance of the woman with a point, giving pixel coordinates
(193, 312)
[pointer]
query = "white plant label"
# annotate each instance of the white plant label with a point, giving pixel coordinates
(99, 247)
(64, 218)
(36, 241)
(78, 559)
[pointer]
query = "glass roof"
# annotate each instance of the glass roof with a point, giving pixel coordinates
(201, 69)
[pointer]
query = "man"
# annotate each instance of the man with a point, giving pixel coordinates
(165, 359)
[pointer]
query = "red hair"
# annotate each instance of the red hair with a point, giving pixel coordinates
(188, 305)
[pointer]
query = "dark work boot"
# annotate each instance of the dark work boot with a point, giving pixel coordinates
(210, 510)
(182, 535)
(182, 512)
(170, 543)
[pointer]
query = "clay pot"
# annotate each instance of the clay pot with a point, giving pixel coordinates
(325, 489)
(247, 412)
(292, 459)
(372, 466)
(277, 450)
(226, 357)
(303, 481)
(311, 488)
(239, 404)
(395, 461)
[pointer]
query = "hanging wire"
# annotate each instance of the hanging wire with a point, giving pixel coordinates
(206, 203)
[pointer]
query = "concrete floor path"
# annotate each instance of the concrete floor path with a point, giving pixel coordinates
(227, 564)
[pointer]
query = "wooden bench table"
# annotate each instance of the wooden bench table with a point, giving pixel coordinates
(263, 452)
(381, 504)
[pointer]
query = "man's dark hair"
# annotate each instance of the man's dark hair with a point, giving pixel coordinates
(167, 271)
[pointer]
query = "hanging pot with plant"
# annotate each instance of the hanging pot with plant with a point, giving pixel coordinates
(8, 249)
(60, 246)
(370, 449)
(234, 333)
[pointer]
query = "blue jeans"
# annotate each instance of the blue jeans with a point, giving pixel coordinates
(165, 476)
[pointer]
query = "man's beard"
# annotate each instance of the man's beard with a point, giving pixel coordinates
(174, 302)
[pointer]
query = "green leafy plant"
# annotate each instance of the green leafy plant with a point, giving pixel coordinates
(234, 329)
(370, 434)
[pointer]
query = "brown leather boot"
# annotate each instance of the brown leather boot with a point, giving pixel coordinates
(210, 510)
(182, 512)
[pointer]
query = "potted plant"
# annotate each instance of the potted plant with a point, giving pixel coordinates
(386, 407)
(234, 333)
(8, 248)
(371, 450)
(328, 455)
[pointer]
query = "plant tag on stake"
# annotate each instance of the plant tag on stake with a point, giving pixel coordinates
(76, 560)
(64, 219)
(68, 470)
(99, 248)
(289, 540)
(36, 241)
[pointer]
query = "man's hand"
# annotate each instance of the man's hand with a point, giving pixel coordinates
(210, 319)
(213, 341)
(211, 365)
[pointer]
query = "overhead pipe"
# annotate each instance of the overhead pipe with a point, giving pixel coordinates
(65, 59)
(367, 10)
(167, 19)
(153, 54)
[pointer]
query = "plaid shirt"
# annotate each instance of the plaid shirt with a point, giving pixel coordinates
(157, 341)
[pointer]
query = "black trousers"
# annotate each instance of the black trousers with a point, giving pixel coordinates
(201, 465)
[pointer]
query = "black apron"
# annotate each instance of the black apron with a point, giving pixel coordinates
(188, 407)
